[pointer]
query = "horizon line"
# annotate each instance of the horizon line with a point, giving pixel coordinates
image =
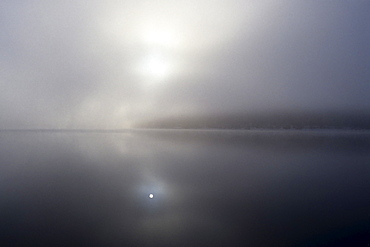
(134, 129)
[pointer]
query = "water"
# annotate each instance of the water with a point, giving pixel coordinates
(210, 188)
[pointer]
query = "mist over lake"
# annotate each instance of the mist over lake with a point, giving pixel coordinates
(185, 123)
(124, 64)
(209, 188)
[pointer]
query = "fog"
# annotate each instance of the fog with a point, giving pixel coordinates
(115, 64)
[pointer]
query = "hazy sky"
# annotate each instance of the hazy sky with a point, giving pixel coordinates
(109, 64)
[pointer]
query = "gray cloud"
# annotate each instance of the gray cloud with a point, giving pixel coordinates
(95, 65)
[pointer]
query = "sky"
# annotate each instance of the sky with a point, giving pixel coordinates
(113, 64)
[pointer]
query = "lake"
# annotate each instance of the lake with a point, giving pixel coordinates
(208, 188)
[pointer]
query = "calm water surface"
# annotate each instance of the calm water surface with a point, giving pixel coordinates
(210, 188)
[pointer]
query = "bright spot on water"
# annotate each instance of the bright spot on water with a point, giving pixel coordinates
(151, 196)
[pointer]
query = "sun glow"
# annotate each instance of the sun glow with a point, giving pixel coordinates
(156, 66)
(160, 38)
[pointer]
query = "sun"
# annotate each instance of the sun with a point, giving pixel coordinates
(156, 66)
(158, 60)
(151, 196)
